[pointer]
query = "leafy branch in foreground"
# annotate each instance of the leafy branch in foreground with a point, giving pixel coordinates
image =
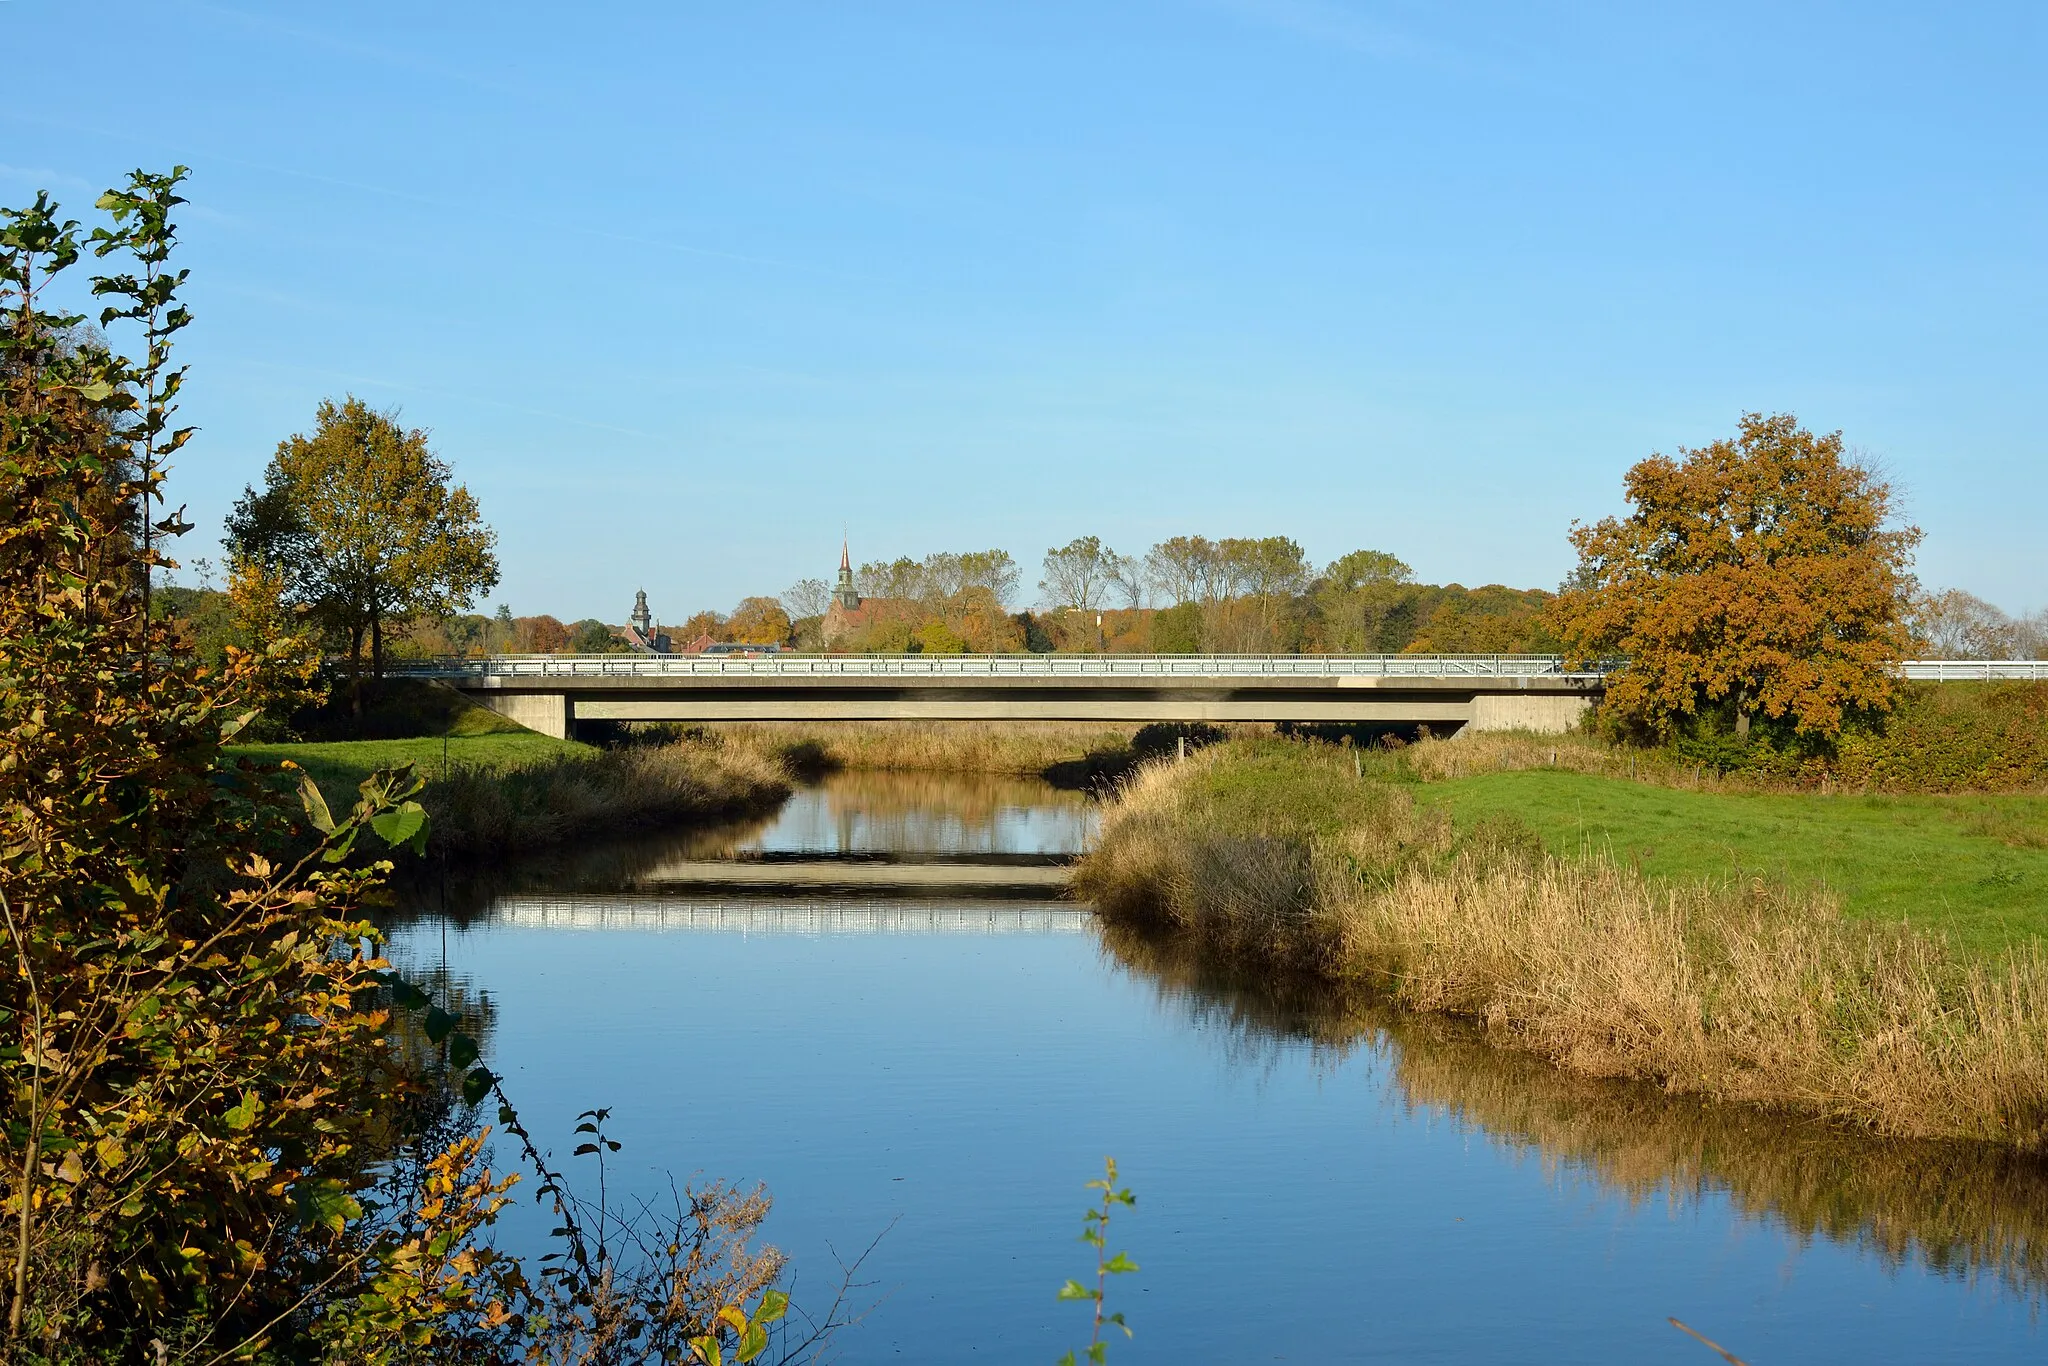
(1095, 1232)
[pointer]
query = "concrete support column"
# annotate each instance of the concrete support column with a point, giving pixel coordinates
(550, 713)
(1549, 713)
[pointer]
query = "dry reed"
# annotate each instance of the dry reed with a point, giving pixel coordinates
(1479, 752)
(939, 747)
(476, 811)
(1745, 993)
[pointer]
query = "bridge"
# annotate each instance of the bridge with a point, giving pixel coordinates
(1448, 693)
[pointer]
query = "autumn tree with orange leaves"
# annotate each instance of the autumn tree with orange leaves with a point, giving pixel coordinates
(1759, 576)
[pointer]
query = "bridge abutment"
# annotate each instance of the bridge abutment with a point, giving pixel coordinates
(550, 713)
(1550, 713)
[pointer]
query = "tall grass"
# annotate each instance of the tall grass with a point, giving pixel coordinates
(1028, 747)
(1283, 855)
(477, 811)
(1469, 755)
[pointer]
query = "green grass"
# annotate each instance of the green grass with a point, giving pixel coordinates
(339, 765)
(1974, 867)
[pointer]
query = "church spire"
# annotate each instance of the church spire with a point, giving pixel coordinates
(844, 592)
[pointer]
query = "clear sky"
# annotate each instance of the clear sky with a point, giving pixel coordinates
(681, 289)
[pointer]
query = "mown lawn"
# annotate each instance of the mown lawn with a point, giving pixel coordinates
(340, 765)
(1974, 866)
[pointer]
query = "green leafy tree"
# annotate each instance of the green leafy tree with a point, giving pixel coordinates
(368, 529)
(1356, 598)
(592, 637)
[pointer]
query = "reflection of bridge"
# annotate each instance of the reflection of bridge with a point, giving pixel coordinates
(551, 693)
(669, 913)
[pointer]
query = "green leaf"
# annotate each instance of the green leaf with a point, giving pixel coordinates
(439, 1024)
(462, 1051)
(478, 1084)
(774, 1304)
(403, 825)
(315, 804)
(1120, 1264)
(244, 1114)
(1074, 1290)
(752, 1343)
(584, 1149)
(325, 1203)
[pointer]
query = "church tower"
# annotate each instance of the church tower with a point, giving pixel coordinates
(641, 617)
(844, 593)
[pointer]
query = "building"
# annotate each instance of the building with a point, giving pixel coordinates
(640, 634)
(848, 611)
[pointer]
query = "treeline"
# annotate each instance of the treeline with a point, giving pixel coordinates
(1188, 594)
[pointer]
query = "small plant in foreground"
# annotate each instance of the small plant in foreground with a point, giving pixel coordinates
(1095, 1232)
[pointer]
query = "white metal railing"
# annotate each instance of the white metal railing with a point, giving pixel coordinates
(1104, 666)
(1000, 666)
(1975, 670)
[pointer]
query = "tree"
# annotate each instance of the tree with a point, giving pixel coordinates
(1177, 630)
(502, 630)
(990, 569)
(592, 637)
(1959, 625)
(368, 529)
(1181, 569)
(1760, 573)
(902, 578)
(758, 621)
(806, 598)
(1079, 573)
(541, 635)
(1357, 596)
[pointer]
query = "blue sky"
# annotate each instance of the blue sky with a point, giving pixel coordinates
(682, 289)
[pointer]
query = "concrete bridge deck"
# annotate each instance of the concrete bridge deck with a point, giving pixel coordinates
(551, 693)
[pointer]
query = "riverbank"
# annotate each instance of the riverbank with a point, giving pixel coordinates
(1733, 989)
(1973, 866)
(515, 792)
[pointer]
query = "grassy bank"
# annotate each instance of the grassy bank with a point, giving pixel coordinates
(510, 792)
(339, 765)
(1733, 989)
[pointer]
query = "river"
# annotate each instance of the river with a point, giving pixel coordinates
(875, 1004)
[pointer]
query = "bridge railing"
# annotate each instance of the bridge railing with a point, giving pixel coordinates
(1020, 666)
(1975, 670)
(1106, 666)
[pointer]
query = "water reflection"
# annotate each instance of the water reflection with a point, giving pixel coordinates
(937, 819)
(931, 813)
(1967, 1211)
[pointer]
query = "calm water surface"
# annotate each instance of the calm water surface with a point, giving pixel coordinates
(943, 1071)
